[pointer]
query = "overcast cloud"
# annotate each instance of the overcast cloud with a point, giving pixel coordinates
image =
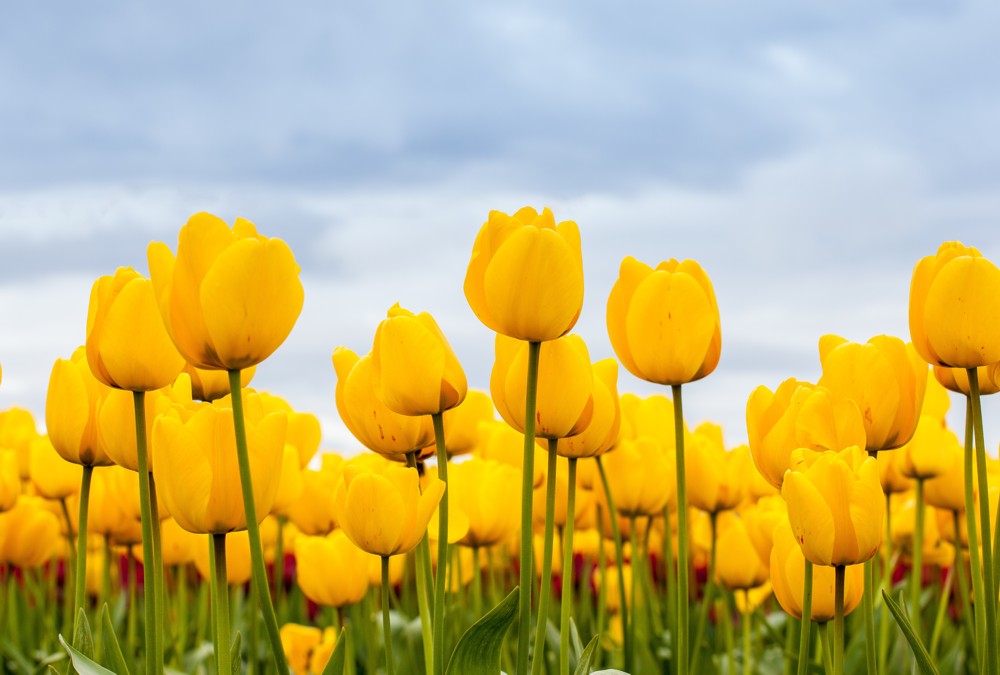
(807, 154)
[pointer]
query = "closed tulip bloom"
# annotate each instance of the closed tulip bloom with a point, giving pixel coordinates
(208, 385)
(303, 433)
(760, 521)
(525, 278)
(788, 574)
(377, 427)
(487, 492)
(290, 485)
(564, 403)
(230, 297)
(652, 416)
(113, 491)
(385, 512)
(10, 480)
(738, 562)
(664, 324)
(298, 643)
(415, 369)
(957, 379)
(890, 473)
(461, 423)
(885, 377)
(332, 571)
(71, 407)
(28, 533)
(640, 476)
(52, 476)
(505, 445)
(17, 431)
(924, 456)
(116, 421)
(197, 472)
(955, 308)
(237, 558)
(715, 478)
(313, 511)
(798, 415)
(947, 489)
(127, 344)
(835, 505)
(602, 432)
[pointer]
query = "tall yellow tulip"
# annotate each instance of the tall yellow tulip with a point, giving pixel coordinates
(332, 571)
(602, 431)
(716, 478)
(485, 491)
(461, 423)
(17, 431)
(72, 403)
(738, 564)
(29, 533)
(10, 480)
(52, 476)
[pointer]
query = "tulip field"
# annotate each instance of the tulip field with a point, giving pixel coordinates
(174, 519)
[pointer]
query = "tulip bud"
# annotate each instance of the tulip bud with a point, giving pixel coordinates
(72, 403)
(332, 571)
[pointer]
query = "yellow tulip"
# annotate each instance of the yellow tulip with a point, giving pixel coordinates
(582, 508)
(368, 419)
(72, 403)
(313, 511)
(885, 377)
(332, 571)
(924, 456)
(237, 558)
(715, 478)
(208, 385)
(113, 491)
(197, 471)
(52, 476)
(177, 545)
(127, 344)
(230, 297)
(298, 642)
(760, 521)
(461, 423)
(947, 489)
(890, 473)
(290, 485)
(10, 480)
(504, 444)
(303, 433)
(936, 550)
(324, 650)
(748, 602)
(738, 563)
(564, 402)
(955, 308)
(28, 533)
(788, 574)
(957, 379)
(664, 324)
(798, 415)
(640, 477)
(384, 512)
(605, 423)
(17, 431)
(486, 491)
(612, 584)
(835, 505)
(652, 416)
(525, 278)
(415, 369)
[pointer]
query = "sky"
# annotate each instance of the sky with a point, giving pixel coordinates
(806, 154)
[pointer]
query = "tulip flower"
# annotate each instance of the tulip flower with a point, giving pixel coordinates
(208, 385)
(53, 477)
(461, 423)
(10, 480)
(835, 505)
(955, 308)
(738, 565)
(332, 571)
(504, 444)
(652, 416)
(715, 477)
(887, 380)
(525, 278)
(957, 379)
(28, 533)
(299, 642)
(290, 485)
(72, 404)
(946, 489)
(303, 432)
(486, 491)
(17, 430)
(934, 549)
(236, 558)
(313, 512)
(640, 477)
(788, 573)
(111, 514)
(604, 426)
(761, 519)
(798, 415)
(924, 456)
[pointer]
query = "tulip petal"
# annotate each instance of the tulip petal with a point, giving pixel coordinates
(372, 514)
(811, 519)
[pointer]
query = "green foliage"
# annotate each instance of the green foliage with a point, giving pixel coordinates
(478, 652)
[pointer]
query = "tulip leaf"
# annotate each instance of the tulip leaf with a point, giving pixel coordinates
(478, 652)
(923, 659)
(82, 664)
(335, 666)
(587, 657)
(111, 646)
(236, 660)
(83, 639)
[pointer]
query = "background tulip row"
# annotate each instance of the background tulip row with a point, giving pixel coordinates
(173, 519)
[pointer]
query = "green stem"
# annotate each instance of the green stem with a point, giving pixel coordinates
(916, 573)
(386, 627)
(989, 584)
(670, 606)
(620, 561)
(477, 585)
(154, 572)
(963, 586)
(527, 493)
(747, 621)
(726, 625)
(180, 574)
(824, 647)
(223, 657)
(80, 578)
(978, 592)
(279, 570)
(567, 570)
(682, 542)
(806, 627)
(790, 630)
(939, 615)
(442, 568)
(130, 628)
(636, 571)
(106, 575)
(602, 592)
(154, 662)
(545, 589)
(424, 582)
(886, 582)
(869, 610)
(259, 571)
(706, 600)
(838, 620)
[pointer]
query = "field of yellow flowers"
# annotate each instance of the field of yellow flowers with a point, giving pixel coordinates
(175, 520)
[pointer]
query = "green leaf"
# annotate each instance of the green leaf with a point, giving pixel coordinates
(111, 646)
(83, 639)
(587, 657)
(478, 652)
(335, 666)
(575, 644)
(236, 660)
(923, 659)
(23, 664)
(82, 664)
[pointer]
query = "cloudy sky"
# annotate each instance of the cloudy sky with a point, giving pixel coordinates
(807, 154)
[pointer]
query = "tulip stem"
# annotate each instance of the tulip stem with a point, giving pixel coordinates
(620, 561)
(386, 627)
(682, 542)
(154, 662)
(527, 493)
(942, 607)
(545, 590)
(806, 626)
(259, 571)
(220, 593)
(917, 572)
(869, 610)
(706, 600)
(423, 566)
(989, 584)
(154, 572)
(279, 570)
(747, 621)
(886, 582)
(80, 578)
(978, 592)
(567, 569)
(963, 586)
(442, 569)
(668, 573)
(838, 620)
